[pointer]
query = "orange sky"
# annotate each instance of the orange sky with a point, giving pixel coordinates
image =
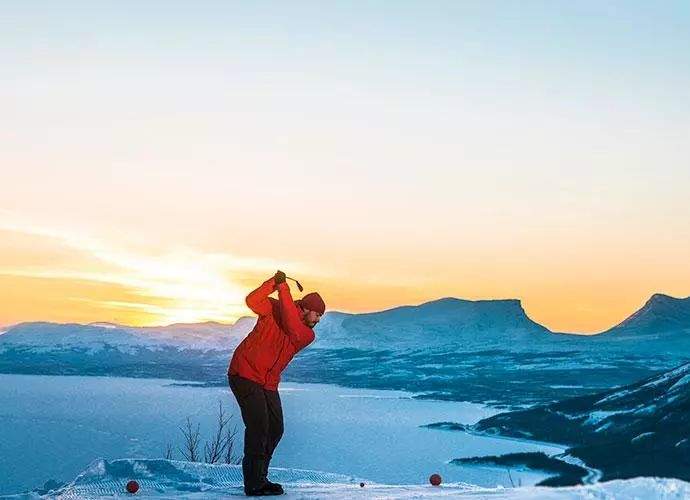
(57, 276)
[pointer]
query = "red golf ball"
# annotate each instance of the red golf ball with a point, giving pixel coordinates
(435, 479)
(132, 487)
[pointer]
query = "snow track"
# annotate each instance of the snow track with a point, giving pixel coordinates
(171, 479)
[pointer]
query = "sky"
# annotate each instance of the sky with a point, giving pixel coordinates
(160, 160)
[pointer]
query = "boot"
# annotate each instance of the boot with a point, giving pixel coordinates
(252, 472)
(271, 486)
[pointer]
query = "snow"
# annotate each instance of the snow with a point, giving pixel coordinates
(642, 436)
(569, 416)
(602, 428)
(669, 385)
(668, 376)
(685, 380)
(614, 397)
(184, 480)
(596, 417)
(646, 410)
(95, 337)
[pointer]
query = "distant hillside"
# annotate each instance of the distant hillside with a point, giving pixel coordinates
(454, 349)
(661, 315)
(95, 337)
(642, 429)
(439, 322)
(198, 352)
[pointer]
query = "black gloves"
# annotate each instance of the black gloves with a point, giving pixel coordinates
(279, 277)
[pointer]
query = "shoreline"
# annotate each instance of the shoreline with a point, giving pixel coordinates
(593, 476)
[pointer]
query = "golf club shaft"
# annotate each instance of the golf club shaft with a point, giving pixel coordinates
(298, 283)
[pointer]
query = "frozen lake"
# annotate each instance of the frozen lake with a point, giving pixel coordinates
(52, 427)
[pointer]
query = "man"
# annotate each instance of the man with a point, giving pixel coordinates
(283, 329)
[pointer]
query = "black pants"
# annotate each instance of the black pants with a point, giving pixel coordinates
(262, 414)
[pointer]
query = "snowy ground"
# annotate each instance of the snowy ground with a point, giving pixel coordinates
(184, 480)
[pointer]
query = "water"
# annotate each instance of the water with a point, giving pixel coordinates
(52, 427)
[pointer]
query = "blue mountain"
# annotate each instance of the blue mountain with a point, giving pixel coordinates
(439, 322)
(661, 316)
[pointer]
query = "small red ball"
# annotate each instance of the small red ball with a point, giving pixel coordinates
(361, 485)
(132, 487)
(435, 479)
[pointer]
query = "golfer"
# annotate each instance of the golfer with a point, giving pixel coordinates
(283, 329)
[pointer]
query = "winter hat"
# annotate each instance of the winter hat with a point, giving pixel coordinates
(313, 302)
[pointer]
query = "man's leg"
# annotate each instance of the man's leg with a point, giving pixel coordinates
(275, 421)
(275, 432)
(252, 401)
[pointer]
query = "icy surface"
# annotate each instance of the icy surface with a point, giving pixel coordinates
(173, 479)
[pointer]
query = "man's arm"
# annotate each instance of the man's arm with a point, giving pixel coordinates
(300, 334)
(257, 300)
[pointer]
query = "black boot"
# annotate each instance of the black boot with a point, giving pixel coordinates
(274, 487)
(254, 482)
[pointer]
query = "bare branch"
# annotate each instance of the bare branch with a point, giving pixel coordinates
(191, 446)
(215, 448)
(230, 457)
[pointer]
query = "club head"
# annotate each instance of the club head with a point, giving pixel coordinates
(299, 286)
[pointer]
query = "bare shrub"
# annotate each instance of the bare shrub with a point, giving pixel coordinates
(219, 448)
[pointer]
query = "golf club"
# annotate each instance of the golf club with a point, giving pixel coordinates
(299, 287)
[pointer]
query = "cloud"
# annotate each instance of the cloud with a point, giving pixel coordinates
(182, 284)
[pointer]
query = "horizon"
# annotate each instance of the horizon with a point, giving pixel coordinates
(252, 316)
(163, 160)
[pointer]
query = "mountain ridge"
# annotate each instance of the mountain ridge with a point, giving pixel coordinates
(659, 314)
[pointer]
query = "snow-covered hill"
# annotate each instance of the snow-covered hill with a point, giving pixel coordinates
(198, 352)
(49, 337)
(97, 337)
(439, 322)
(184, 480)
(639, 430)
(485, 350)
(661, 316)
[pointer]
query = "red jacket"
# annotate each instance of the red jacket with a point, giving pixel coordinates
(279, 334)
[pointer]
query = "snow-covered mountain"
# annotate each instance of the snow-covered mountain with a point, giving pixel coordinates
(439, 322)
(198, 352)
(444, 322)
(486, 322)
(48, 337)
(661, 316)
(209, 335)
(642, 429)
(485, 350)
(96, 337)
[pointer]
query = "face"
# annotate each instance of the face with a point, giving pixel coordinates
(310, 318)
